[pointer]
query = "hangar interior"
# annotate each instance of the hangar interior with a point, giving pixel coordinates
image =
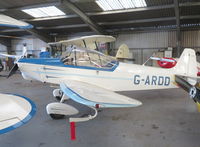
(147, 27)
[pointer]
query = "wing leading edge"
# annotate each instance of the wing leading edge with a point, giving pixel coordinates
(92, 95)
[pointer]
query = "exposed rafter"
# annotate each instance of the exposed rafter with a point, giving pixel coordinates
(109, 23)
(40, 35)
(64, 26)
(83, 16)
(118, 11)
(138, 21)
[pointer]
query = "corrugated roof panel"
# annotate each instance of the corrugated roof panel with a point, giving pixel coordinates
(158, 2)
(193, 10)
(134, 15)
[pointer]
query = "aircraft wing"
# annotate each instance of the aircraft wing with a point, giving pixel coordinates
(15, 111)
(92, 95)
(11, 22)
(9, 56)
(89, 41)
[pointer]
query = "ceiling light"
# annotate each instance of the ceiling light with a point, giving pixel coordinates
(44, 12)
(108, 5)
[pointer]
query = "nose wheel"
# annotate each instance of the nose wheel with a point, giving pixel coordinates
(57, 93)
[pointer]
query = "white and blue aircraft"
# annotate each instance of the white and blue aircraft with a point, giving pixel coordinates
(91, 78)
(15, 110)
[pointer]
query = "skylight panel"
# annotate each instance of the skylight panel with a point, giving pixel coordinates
(108, 5)
(139, 3)
(44, 12)
(104, 5)
(127, 4)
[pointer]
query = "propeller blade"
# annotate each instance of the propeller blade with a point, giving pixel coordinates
(194, 91)
(13, 70)
(183, 83)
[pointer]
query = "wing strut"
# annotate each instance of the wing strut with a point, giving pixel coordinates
(79, 119)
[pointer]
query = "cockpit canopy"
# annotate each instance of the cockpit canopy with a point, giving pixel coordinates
(79, 56)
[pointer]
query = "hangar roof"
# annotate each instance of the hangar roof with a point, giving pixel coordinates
(87, 16)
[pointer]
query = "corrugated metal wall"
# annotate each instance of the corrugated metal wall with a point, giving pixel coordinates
(161, 39)
(191, 39)
(34, 45)
(148, 40)
(143, 45)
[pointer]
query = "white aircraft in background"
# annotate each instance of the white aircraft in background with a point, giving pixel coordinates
(15, 110)
(91, 78)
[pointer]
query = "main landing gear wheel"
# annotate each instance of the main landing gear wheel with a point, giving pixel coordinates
(57, 116)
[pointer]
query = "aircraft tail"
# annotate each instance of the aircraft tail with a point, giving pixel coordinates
(187, 65)
(123, 52)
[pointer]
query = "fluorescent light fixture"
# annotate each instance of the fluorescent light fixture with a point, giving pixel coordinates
(108, 5)
(44, 12)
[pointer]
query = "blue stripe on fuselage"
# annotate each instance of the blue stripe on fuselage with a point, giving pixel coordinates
(58, 63)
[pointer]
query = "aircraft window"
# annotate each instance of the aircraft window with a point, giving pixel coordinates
(89, 58)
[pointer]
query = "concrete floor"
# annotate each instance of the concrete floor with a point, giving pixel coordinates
(167, 118)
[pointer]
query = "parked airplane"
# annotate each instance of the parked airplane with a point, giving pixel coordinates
(15, 110)
(90, 78)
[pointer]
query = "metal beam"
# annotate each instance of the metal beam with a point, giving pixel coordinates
(35, 32)
(40, 35)
(116, 11)
(108, 23)
(83, 16)
(137, 21)
(51, 18)
(63, 27)
(189, 4)
(190, 17)
(178, 32)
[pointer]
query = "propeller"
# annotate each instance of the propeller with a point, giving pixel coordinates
(15, 66)
(194, 91)
(13, 70)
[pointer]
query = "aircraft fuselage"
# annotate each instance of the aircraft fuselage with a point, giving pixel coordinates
(122, 77)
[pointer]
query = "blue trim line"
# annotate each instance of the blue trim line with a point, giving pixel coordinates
(25, 120)
(57, 62)
(47, 73)
(79, 99)
(17, 26)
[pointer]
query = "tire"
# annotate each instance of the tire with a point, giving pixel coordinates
(58, 98)
(57, 116)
